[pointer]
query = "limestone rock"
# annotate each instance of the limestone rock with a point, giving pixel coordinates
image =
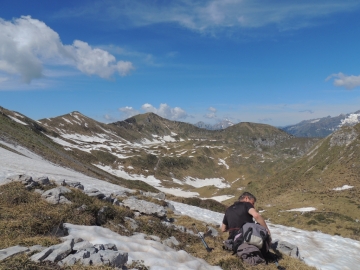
(145, 207)
(12, 251)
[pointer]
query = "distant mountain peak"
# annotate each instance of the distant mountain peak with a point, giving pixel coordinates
(322, 127)
(225, 123)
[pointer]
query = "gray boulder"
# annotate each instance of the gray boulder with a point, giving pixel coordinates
(43, 180)
(145, 207)
(82, 245)
(61, 251)
(55, 195)
(113, 258)
(39, 257)
(159, 195)
(171, 242)
(287, 249)
(73, 184)
(12, 251)
(94, 193)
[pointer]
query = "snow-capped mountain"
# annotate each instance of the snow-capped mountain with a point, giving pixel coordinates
(322, 127)
(225, 123)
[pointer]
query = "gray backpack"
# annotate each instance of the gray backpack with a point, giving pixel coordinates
(255, 234)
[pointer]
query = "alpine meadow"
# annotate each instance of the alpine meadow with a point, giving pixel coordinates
(167, 135)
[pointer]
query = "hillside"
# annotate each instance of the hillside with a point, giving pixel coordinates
(21, 131)
(327, 178)
(177, 157)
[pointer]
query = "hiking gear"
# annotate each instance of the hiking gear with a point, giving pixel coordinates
(255, 234)
(250, 254)
(276, 260)
(208, 249)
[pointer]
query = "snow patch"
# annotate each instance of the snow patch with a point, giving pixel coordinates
(17, 120)
(304, 209)
(196, 182)
(153, 253)
(222, 197)
(222, 162)
(344, 187)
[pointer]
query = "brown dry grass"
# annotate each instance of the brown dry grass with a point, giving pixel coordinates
(26, 219)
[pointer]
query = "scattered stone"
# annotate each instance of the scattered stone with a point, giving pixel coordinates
(145, 207)
(132, 223)
(211, 232)
(117, 202)
(159, 195)
(43, 180)
(113, 258)
(94, 193)
(61, 252)
(101, 215)
(73, 184)
(55, 195)
(171, 242)
(110, 246)
(155, 238)
(99, 247)
(287, 249)
(12, 251)
(170, 206)
(82, 208)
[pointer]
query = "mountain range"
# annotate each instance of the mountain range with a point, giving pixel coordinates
(152, 153)
(322, 127)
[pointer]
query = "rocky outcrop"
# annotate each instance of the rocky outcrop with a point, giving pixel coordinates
(145, 207)
(343, 137)
(12, 251)
(56, 195)
(74, 251)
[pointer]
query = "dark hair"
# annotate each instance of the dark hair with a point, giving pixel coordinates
(247, 194)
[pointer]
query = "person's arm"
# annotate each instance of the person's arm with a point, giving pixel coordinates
(223, 227)
(258, 218)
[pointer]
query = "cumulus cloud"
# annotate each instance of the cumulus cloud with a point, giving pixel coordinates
(166, 111)
(128, 111)
(28, 44)
(342, 80)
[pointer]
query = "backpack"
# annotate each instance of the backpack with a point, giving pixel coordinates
(250, 254)
(256, 235)
(234, 241)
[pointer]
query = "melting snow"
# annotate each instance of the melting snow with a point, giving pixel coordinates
(222, 197)
(304, 209)
(352, 119)
(342, 188)
(67, 120)
(222, 162)
(331, 252)
(17, 120)
(196, 182)
(153, 253)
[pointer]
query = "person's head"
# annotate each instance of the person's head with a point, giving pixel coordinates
(247, 197)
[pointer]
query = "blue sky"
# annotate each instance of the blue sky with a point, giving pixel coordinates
(274, 62)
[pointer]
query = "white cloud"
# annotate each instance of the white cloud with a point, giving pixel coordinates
(342, 80)
(128, 111)
(208, 15)
(212, 109)
(211, 114)
(166, 111)
(28, 44)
